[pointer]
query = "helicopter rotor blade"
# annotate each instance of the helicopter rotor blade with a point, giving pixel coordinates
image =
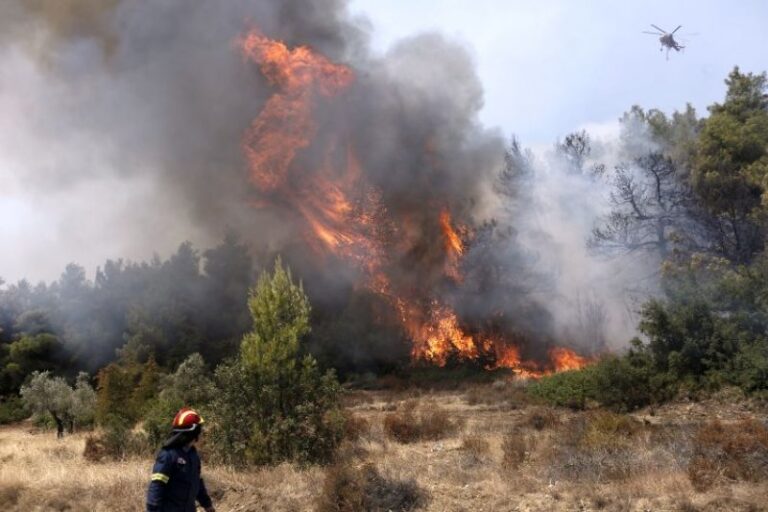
(658, 28)
(653, 33)
(678, 28)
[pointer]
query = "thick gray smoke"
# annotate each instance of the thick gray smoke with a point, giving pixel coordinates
(123, 121)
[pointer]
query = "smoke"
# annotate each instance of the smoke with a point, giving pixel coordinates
(133, 113)
(122, 123)
(593, 297)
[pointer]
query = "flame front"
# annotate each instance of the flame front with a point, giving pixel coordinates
(346, 216)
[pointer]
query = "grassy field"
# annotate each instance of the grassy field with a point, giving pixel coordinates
(483, 448)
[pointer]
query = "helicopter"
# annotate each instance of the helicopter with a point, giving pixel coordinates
(667, 39)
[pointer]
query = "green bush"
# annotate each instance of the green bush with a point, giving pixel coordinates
(188, 386)
(119, 441)
(566, 389)
(620, 383)
(12, 410)
(158, 420)
(750, 366)
(628, 382)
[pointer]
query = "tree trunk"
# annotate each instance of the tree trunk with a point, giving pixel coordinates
(59, 425)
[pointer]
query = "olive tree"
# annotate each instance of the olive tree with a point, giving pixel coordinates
(48, 394)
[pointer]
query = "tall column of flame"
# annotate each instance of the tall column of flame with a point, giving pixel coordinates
(344, 215)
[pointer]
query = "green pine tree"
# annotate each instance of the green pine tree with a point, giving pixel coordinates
(280, 311)
(274, 403)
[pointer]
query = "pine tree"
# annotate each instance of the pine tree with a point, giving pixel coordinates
(274, 404)
(280, 311)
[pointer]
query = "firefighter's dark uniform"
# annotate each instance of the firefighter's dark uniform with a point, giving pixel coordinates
(176, 482)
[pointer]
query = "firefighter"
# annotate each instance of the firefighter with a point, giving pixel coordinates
(176, 483)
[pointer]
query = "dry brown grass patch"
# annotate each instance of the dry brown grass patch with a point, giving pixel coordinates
(515, 448)
(355, 427)
(94, 450)
(10, 493)
(348, 488)
(475, 451)
(428, 423)
(737, 451)
(599, 447)
(542, 418)
(502, 394)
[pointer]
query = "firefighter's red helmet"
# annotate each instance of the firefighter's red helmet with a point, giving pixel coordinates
(186, 420)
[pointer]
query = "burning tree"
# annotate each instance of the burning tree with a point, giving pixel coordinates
(405, 242)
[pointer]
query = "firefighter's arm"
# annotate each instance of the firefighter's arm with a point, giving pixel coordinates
(203, 499)
(161, 473)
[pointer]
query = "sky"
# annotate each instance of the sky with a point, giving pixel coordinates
(551, 66)
(548, 67)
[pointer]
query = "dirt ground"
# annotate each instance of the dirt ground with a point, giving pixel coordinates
(502, 454)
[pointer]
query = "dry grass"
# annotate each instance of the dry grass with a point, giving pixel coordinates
(515, 448)
(355, 427)
(425, 422)
(492, 459)
(501, 394)
(541, 418)
(351, 488)
(41, 473)
(738, 451)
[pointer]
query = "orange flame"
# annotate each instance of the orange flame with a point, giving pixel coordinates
(454, 247)
(565, 359)
(344, 214)
(285, 125)
(452, 241)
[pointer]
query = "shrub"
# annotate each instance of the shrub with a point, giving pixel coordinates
(115, 442)
(94, 449)
(737, 451)
(435, 423)
(566, 389)
(343, 489)
(515, 449)
(347, 488)
(249, 425)
(124, 389)
(355, 426)
(598, 447)
(428, 424)
(627, 383)
(158, 420)
(542, 418)
(401, 426)
(620, 383)
(12, 410)
(189, 385)
(475, 450)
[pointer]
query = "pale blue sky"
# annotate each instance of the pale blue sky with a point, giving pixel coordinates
(549, 67)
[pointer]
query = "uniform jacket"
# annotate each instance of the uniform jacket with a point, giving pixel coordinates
(176, 482)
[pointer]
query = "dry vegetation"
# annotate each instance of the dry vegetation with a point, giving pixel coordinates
(447, 451)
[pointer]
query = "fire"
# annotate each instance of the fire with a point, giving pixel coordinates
(439, 336)
(565, 359)
(345, 215)
(285, 125)
(454, 247)
(453, 243)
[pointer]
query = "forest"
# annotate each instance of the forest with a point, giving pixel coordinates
(689, 191)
